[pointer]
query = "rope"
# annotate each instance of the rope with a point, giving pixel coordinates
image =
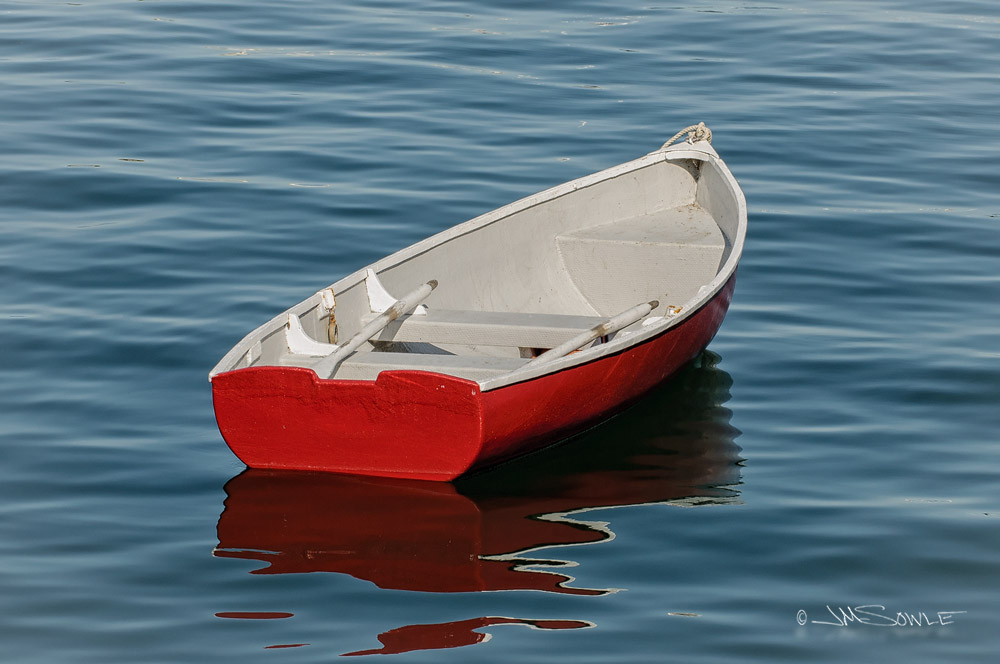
(698, 132)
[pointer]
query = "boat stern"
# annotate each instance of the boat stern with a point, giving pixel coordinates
(410, 424)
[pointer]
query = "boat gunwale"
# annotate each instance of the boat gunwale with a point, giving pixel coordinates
(700, 151)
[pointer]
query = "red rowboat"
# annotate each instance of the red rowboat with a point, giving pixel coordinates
(518, 328)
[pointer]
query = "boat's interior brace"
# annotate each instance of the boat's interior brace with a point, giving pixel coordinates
(554, 335)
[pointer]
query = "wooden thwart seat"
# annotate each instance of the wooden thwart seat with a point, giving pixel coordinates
(487, 328)
(354, 360)
(440, 326)
(668, 254)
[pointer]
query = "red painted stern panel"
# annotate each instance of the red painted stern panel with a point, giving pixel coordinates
(405, 424)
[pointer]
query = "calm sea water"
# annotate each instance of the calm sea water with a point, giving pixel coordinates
(174, 173)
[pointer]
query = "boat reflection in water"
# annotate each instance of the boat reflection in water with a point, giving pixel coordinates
(453, 634)
(485, 532)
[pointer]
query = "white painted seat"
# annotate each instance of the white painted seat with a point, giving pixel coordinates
(487, 328)
(451, 328)
(616, 264)
(469, 329)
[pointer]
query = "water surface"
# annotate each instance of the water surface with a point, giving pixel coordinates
(173, 174)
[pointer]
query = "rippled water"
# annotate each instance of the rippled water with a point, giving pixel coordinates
(175, 173)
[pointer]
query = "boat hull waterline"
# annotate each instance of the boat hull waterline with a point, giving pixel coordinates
(281, 402)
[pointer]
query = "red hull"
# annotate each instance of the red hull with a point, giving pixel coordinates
(430, 426)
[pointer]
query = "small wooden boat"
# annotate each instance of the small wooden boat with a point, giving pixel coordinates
(499, 336)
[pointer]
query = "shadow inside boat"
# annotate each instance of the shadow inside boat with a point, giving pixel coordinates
(484, 532)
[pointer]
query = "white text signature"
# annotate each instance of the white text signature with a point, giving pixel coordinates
(877, 615)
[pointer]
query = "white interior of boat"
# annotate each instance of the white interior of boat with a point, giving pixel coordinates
(598, 264)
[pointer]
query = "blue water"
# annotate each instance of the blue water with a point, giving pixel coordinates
(174, 173)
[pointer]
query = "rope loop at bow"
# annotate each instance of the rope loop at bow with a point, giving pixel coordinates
(698, 132)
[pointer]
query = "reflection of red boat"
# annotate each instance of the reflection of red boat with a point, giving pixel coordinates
(453, 634)
(675, 446)
(396, 533)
